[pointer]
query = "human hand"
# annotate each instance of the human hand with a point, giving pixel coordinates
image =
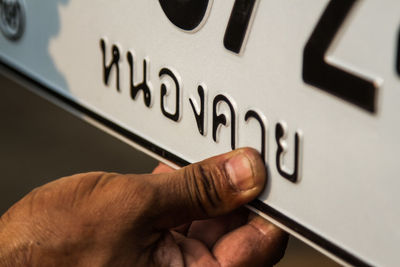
(105, 219)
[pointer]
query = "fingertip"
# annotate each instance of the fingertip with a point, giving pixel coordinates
(258, 164)
(274, 237)
(265, 227)
(247, 171)
(258, 243)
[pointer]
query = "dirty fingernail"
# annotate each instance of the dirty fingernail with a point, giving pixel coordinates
(240, 172)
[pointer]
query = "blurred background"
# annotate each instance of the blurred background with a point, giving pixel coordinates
(40, 142)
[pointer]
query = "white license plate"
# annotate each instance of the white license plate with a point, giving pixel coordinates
(313, 85)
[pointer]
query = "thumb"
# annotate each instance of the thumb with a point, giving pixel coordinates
(207, 189)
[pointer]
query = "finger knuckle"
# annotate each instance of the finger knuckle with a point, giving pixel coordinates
(204, 182)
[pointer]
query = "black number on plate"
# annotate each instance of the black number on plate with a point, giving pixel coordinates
(185, 14)
(326, 77)
(238, 24)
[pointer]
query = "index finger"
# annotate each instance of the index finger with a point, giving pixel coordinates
(258, 243)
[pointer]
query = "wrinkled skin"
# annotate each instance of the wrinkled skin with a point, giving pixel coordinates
(189, 217)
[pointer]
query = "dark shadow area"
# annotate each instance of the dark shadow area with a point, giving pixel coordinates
(39, 142)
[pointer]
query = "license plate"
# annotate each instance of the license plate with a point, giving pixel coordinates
(313, 85)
